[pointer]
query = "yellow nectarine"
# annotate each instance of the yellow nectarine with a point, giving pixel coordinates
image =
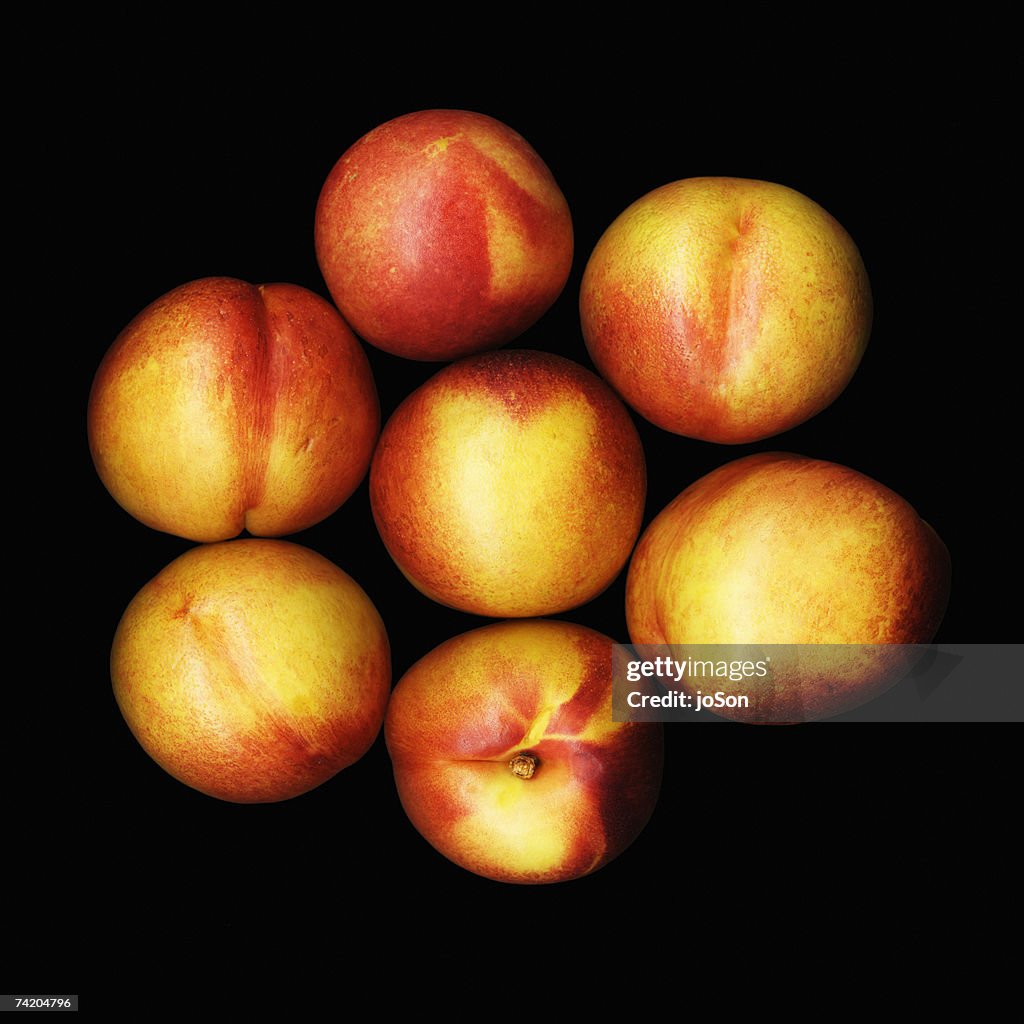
(252, 670)
(224, 406)
(781, 549)
(510, 484)
(726, 309)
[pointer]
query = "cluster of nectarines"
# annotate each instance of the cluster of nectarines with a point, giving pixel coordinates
(512, 484)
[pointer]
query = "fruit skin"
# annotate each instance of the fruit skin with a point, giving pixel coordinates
(465, 710)
(777, 548)
(442, 233)
(252, 670)
(726, 309)
(510, 484)
(225, 406)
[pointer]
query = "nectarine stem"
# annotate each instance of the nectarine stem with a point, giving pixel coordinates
(524, 765)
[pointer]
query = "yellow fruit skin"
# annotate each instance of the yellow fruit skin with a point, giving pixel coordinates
(226, 406)
(726, 309)
(777, 548)
(465, 710)
(252, 670)
(511, 484)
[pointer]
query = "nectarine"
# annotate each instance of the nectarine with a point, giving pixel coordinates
(442, 233)
(252, 670)
(506, 757)
(224, 406)
(510, 484)
(782, 549)
(726, 309)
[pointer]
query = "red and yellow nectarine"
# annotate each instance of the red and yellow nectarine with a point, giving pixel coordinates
(726, 309)
(510, 484)
(442, 233)
(252, 670)
(781, 549)
(506, 757)
(224, 406)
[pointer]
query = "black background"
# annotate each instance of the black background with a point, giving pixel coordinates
(183, 170)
